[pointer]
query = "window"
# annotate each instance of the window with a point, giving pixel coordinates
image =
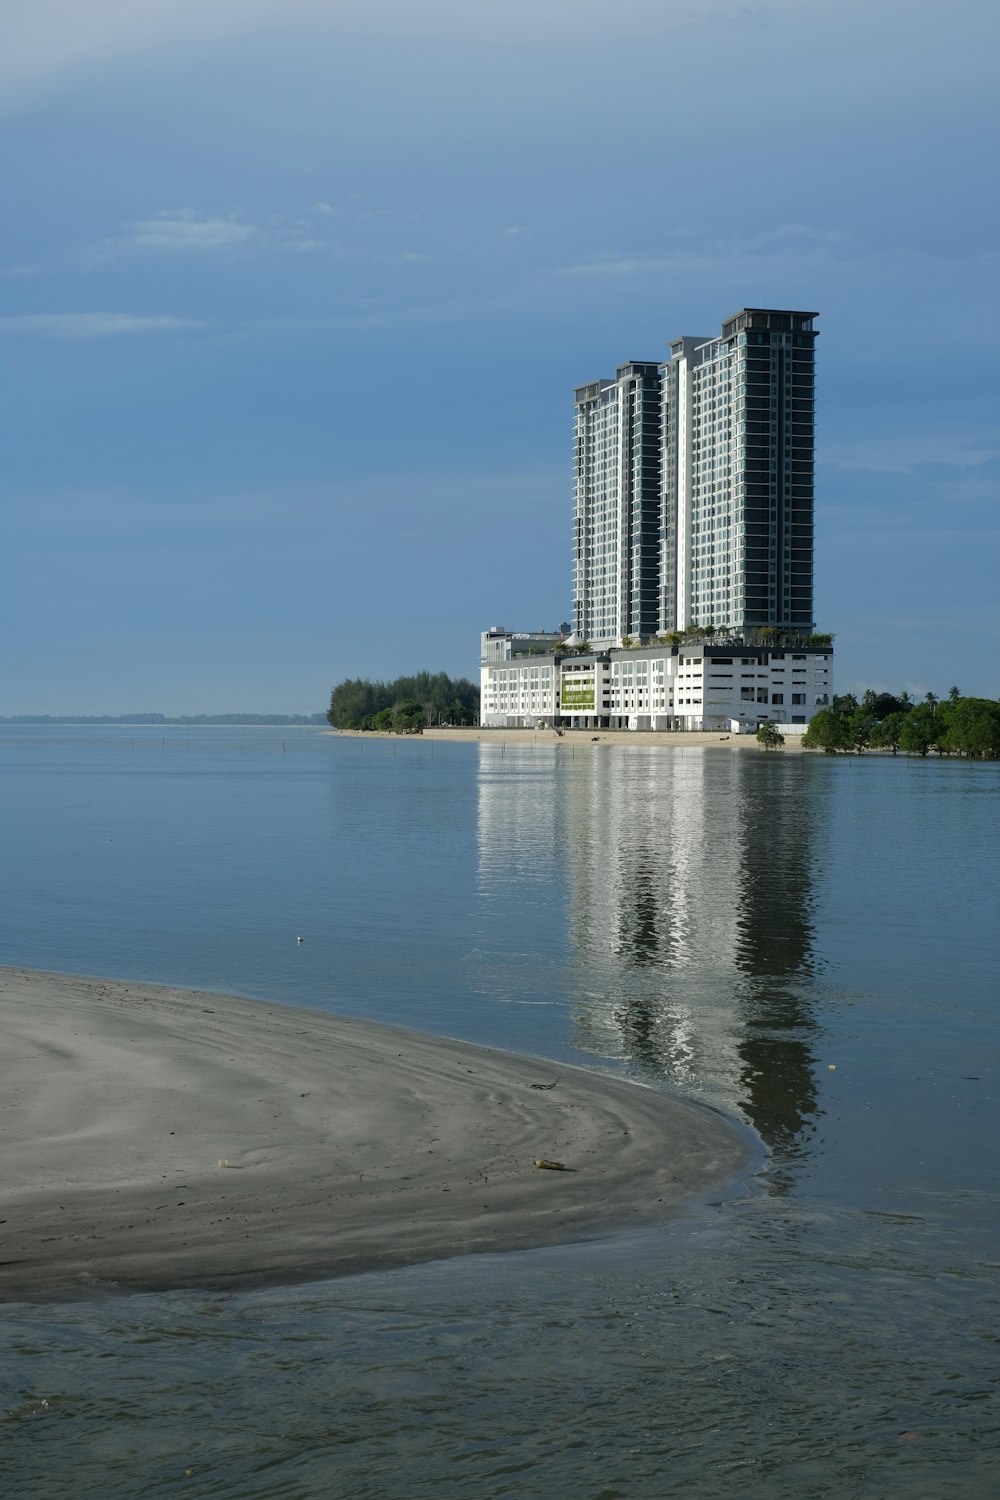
(762, 695)
(777, 697)
(798, 697)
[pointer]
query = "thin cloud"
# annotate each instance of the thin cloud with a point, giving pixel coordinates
(182, 231)
(295, 235)
(93, 325)
(798, 242)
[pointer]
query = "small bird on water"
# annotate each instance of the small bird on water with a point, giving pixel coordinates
(298, 940)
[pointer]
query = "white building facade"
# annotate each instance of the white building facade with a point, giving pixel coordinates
(729, 686)
(519, 694)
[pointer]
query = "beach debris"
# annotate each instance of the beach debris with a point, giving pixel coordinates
(549, 1166)
(541, 1085)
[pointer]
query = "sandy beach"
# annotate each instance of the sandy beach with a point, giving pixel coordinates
(158, 1138)
(694, 739)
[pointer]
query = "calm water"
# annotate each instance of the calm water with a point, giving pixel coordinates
(807, 944)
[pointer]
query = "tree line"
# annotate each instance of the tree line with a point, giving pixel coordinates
(406, 705)
(773, 636)
(750, 635)
(883, 721)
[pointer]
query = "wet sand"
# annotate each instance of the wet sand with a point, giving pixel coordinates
(158, 1138)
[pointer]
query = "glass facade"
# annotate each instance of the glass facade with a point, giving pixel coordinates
(737, 500)
(616, 519)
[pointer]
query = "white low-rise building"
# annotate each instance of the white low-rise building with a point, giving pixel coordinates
(731, 686)
(519, 694)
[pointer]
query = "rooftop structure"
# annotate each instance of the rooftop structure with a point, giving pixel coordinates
(498, 644)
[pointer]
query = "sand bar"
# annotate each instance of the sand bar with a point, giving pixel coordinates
(158, 1138)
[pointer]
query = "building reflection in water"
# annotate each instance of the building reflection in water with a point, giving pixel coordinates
(690, 894)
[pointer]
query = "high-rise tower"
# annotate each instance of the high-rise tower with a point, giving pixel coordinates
(616, 522)
(737, 475)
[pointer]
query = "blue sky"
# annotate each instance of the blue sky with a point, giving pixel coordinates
(295, 294)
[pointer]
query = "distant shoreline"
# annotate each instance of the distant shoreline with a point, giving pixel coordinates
(183, 721)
